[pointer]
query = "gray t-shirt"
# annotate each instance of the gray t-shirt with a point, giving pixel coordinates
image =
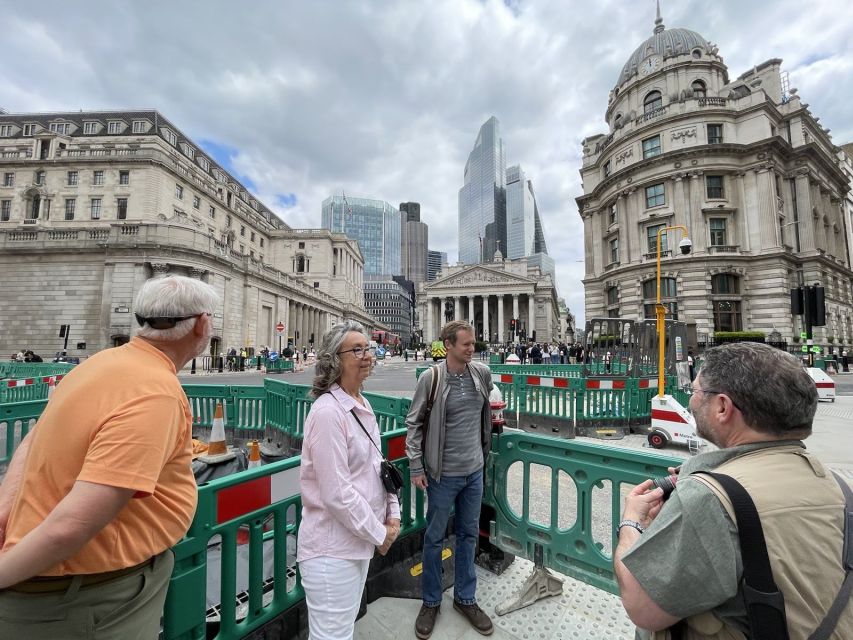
(688, 560)
(463, 452)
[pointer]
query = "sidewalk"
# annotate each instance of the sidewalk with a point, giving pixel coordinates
(582, 612)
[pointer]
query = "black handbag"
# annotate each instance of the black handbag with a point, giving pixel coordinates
(389, 474)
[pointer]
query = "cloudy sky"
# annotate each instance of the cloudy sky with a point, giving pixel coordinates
(384, 99)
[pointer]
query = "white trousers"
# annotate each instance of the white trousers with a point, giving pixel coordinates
(333, 590)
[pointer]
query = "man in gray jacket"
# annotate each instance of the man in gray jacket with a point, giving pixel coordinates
(447, 447)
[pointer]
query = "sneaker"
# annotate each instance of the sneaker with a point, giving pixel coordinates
(425, 621)
(476, 616)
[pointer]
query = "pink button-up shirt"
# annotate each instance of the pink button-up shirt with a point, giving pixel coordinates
(344, 505)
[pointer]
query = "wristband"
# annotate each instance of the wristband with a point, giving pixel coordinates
(629, 523)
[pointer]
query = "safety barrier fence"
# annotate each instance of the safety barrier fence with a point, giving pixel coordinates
(33, 369)
(243, 536)
(32, 388)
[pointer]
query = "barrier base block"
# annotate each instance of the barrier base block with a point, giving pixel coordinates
(543, 425)
(398, 574)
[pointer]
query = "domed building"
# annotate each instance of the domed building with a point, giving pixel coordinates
(743, 165)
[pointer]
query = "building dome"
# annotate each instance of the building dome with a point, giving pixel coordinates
(664, 42)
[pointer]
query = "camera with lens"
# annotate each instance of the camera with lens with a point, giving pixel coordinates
(685, 246)
(667, 483)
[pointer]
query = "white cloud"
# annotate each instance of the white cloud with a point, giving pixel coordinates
(385, 99)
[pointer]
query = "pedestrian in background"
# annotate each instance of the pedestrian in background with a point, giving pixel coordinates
(346, 513)
(87, 545)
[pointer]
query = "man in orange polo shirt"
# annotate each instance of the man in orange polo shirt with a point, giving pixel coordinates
(101, 489)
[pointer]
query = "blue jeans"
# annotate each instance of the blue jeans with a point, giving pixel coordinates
(465, 493)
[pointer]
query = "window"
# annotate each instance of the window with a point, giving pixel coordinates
(114, 127)
(196, 202)
(699, 90)
(253, 236)
(242, 230)
(6, 131)
(124, 177)
(98, 178)
(121, 209)
(170, 136)
(242, 249)
(727, 316)
(96, 208)
(8, 179)
(70, 205)
(715, 134)
(90, 128)
(29, 130)
(211, 211)
(228, 221)
(651, 147)
(179, 192)
(5, 210)
(611, 215)
(668, 293)
(725, 284)
(655, 196)
(612, 295)
(72, 178)
(60, 127)
(652, 102)
(652, 238)
(714, 186)
(139, 126)
(262, 243)
(301, 245)
(614, 250)
(189, 152)
(718, 231)
(607, 168)
(301, 264)
(204, 163)
(39, 177)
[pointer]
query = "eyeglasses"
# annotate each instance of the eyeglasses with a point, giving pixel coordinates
(716, 393)
(163, 323)
(359, 352)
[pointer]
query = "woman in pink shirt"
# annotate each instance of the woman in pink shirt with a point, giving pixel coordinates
(346, 513)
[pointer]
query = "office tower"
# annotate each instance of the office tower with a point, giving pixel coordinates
(375, 224)
(482, 198)
(415, 237)
(436, 261)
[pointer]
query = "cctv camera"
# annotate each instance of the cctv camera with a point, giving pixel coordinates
(685, 245)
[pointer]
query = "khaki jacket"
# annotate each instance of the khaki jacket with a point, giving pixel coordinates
(801, 509)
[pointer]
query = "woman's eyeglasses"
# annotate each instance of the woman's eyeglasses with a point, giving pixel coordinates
(359, 352)
(162, 323)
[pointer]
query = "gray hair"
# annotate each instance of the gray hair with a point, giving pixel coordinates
(328, 368)
(770, 387)
(172, 297)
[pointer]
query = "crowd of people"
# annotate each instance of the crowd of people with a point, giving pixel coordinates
(541, 353)
(26, 355)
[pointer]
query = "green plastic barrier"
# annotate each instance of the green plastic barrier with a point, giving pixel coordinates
(599, 475)
(33, 369)
(16, 420)
(278, 366)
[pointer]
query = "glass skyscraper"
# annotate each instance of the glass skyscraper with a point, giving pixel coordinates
(524, 232)
(482, 198)
(375, 224)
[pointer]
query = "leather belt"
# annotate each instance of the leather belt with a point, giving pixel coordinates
(54, 584)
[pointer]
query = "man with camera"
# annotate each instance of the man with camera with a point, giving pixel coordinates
(449, 434)
(680, 564)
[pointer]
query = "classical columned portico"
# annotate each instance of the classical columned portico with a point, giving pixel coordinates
(471, 315)
(486, 333)
(531, 316)
(500, 337)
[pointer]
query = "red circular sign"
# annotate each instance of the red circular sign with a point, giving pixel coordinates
(280, 327)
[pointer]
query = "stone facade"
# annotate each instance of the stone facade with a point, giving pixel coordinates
(96, 203)
(489, 296)
(744, 165)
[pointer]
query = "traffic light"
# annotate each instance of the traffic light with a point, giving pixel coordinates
(512, 324)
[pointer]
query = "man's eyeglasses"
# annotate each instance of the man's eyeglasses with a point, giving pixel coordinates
(359, 352)
(716, 393)
(163, 323)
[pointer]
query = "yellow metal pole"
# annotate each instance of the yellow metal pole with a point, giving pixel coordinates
(660, 313)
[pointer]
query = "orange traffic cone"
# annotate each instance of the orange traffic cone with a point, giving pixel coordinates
(254, 455)
(217, 449)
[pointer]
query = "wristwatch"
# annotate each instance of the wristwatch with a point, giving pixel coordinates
(629, 523)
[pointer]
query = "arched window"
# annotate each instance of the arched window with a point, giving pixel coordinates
(699, 90)
(617, 120)
(668, 295)
(652, 101)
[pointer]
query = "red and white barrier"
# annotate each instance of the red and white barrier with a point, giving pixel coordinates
(22, 382)
(246, 497)
(671, 423)
(824, 384)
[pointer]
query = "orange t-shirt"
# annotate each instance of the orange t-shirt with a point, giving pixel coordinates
(120, 419)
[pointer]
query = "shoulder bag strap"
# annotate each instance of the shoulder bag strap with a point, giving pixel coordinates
(435, 370)
(827, 626)
(765, 604)
(352, 411)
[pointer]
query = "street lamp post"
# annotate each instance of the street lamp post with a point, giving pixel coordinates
(660, 310)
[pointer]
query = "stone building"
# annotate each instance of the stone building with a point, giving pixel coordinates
(743, 164)
(94, 203)
(488, 296)
(389, 300)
